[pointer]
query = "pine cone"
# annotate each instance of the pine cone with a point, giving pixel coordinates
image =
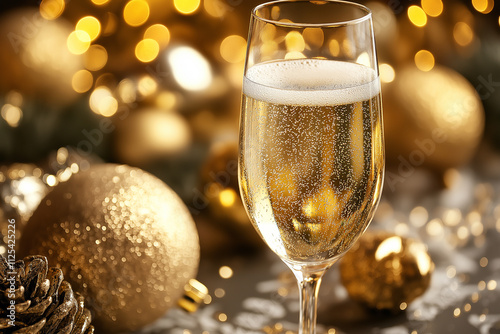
(41, 301)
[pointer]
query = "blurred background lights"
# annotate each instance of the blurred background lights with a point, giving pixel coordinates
(364, 59)
(225, 272)
(227, 197)
(334, 47)
(11, 114)
(313, 36)
(136, 12)
(187, 6)
(424, 60)
(233, 49)
(90, 25)
(159, 33)
(295, 41)
(99, 2)
(82, 81)
(78, 42)
(147, 50)
(387, 73)
(432, 8)
(190, 69)
(102, 102)
(147, 85)
(96, 57)
(52, 9)
(483, 6)
(463, 34)
(127, 91)
(214, 8)
(417, 16)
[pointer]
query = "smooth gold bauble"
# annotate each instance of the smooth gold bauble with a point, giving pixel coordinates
(147, 135)
(123, 239)
(433, 119)
(385, 271)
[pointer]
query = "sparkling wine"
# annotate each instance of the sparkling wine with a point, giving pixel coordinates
(311, 155)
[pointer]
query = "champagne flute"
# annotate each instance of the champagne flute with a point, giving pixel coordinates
(311, 161)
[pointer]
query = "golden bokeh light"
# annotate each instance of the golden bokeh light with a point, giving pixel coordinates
(99, 2)
(11, 114)
(127, 91)
(294, 55)
(96, 57)
(82, 81)
(159, 33)
(225, 272)
(214, 8)
(463, 34)
(364, 59)
(187, 6)
(483, 6)
(147, 50)
(90, 25)
(334, 47)
(227, 197)
(387, 73)
(313, 36)
(147, 85)
(136, 12)
(432, 8)
(295, 41)
(233, 48)
(417, 16)
(424, 60)
(190, 68)
(102, 102)
(268, 33)
(52, 9)
(267, 49)
(166, 100)
(78, 42)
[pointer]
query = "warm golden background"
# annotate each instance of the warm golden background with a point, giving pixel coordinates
(156, 84)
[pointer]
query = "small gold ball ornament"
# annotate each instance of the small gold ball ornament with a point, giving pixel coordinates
(384, 271)
(433, 119)
(123, 238)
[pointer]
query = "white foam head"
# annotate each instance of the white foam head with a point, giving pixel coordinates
(311, 82)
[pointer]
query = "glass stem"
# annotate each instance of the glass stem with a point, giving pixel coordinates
(309, 283)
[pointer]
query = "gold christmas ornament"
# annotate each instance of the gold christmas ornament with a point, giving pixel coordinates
(35, 59)
(433, 119)
(123, 239)
(386, 271)
(149, 134)
(195, 294)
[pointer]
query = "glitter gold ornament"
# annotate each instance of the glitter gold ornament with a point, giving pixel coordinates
(433, 119)
(123, 239)
(386, 271)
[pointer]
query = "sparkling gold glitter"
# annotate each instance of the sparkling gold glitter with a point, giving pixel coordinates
(456, 312)
(149, 242)
(467, 307)
(483, 262)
